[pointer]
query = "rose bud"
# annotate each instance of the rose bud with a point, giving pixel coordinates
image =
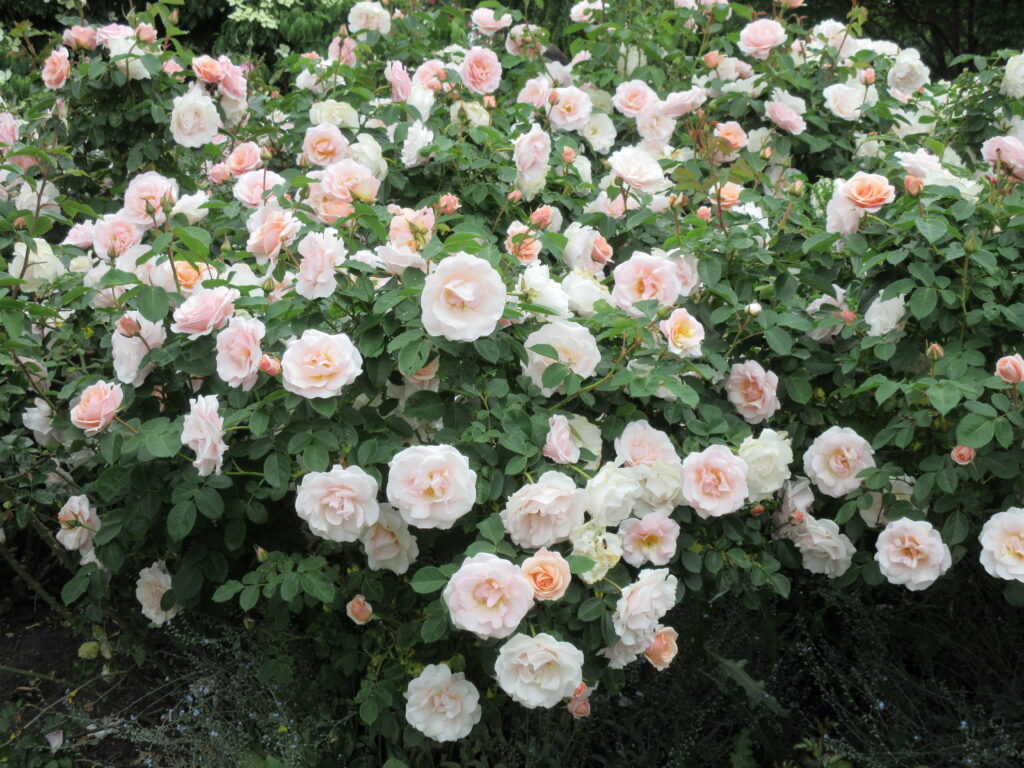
(489, 101)
(515, 196)
(913, 185)
(579, 708)
(1010, 369)
(553, 97)
(754, 309)
(568, 155)
(867, 76)
(756, 511)
(128, 326)
(541, 218)
(963, 455)
(766, 153)
(712, 59)
(270, 365)
(359, 610)
(847, 316)
(448, 204)
(218, 173)
(704, 213)
(935, 352)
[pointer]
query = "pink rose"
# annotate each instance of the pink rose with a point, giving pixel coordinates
(431, 75)
(203, 432)
(642, 278)
(535, 91)
(759, 37)
(635, 167)
(912, 553)
(753, 391)
(145, 32)
(80, 235)
(359, 610)
(431, 486)
(96, 407)
(488, 596)
(208, 69)
(1010, 369)
(868, 191)
(1007, 151)
(549, 574)
(322, 254)
(326, 207)
(448, 204)
(239, 353)
(571, 110)
(79, 523)
(324, 144)
(56, 68)
(271, 229)
(633, 96)
(575, 345)
(784, 116)
(410, 228)
(532, 152)
(133, 339)
(252, 187)
(319, 365)
(834, 460)
(109, 32)
(115, 233)
(218, 173)
(521, 244)
(963, 455)
(487, 23)
(480, 70)
(148, 198)
(205, 311)
(683, 332)
(462, 299)
(152, 584)
(233, 85)
(714, 481)
(543, 513)
(401, 84)
(642, 605)
(663, 648)
(339, 505)
(654, 126)
(560, 446)
(649, 539)
(682, 103)
(640, 444)
(246, 157)
(80, 37)
(347, 180)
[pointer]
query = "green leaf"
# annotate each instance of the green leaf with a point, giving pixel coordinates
(492, 529)
(956, 528)
(932, 229)
(779, 340)
(427, 580)
(250, 595)
(591, 609)
(75, 588)
(975, 430)
(210, 503)
(226, 591)
(315, 584)
(433, 628)
(944, 396)
(181, 520)
(277, 470)
(258, 423)
(579, 563)
(923, 302)
(554, 375)
(161, 437)
(152, 302)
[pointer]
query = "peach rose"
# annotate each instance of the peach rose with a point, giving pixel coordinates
(96, 407)
(359, 610)
(239, 353)
(663, 648)
(714, 481)
(348, 180)
(759, 37)
(246, 157)
(869, 191)
(319, 365)
(633, 96)
(549, 574)
(521, 244)
(644, 277)
(753, 391)
(732, 133)
(80, 37)
(480, 70)
(271, 229)
(204, 311)
(462, 299)
(324, 144)
(208, 69)
(410, 228)
(683, 332)
(1010, 369)
(203, 432)
(56, 69)
(963, 455)
(912, 553)
(431, 486)
(448, 204)
(488, 596)
(431, 75)
(147, 197)
(725, 196)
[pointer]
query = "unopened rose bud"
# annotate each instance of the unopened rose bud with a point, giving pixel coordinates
(174, 16)
(266, 154)
(146, 32)
(579, 707)
(553, 96)
(427, 372)
(128, 326)
(270, 365)
(448, 204)
(963, 455)
(766, 153)
(218, 173)
(913, 185)
(568, 155)
(867, 76)
(797, 188)
(541, 218)
(489, 101)
(262, 555)
(935, 352)
(712, 59)
(971, 244)
(704, 213)
(756, 511)
(847, 316)
(515, 196)
(1011, 369)
(312, 55)
(754, 309)
(359, 610)
(248, 623)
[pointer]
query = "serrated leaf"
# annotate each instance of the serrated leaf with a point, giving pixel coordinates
(427, 580)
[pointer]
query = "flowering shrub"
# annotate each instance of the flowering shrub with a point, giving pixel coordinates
(504, 351)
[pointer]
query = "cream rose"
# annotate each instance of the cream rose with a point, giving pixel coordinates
(642, 605)
(544, 513)
(488, 596)
(388, 543)
(320, 364)
(152, 583)
(431, 486)
(714, 481)
(834, 460)
(442, 705)
(912, 553)
(462, 299)
(1002, 545)
(338, 505)
(539, 671)
(768, 457)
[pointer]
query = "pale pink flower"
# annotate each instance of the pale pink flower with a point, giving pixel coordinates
(488, 23)
(270, 229)
(318, 364)
(571, 110)
(912, 553)
(640, 444)
(488, 596)
(535, 91)
(663, 648)
(79, 523)
(134, 338)
(642, 278)
(203, 432)
(442, 705)
(208, 69)
(401, 84)
(1007, 151)
(359, 610)
(56, 68)
(784, 116)
(543, 513)
(462, 299)
(575, 346)
(649, 539)
(322, 254)
(431, 74)
(521, 243)
(835, 458)
(758, 38)
(348, 179)
(1010, 369)
(324, 144)
(714, 481)
(431, 486)
(963, 455)
(869, 191)
(753, 391)
(152, 583)
(115, 233)
(246, 157)
(480, 70)
(205, 311)
(239, 352)
(83, 37)
(95, 409)
(252, 187)
(80, 235)
(1002, 545)
(148, 198)
(683, 332)
(633, 96)
(560, 446)
(410, 228)
(682, 103)
(538, 671)
(636, 168)
(338, 505)
(642, 605)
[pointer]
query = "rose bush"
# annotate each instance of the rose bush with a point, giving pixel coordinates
(569, 319)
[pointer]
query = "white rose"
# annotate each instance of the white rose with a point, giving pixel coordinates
(900, 487)
(599, 132)
(422, 101)
(128, 351)
(338, 505)
(152, 583)
(587, 436)
(575, 345)
(908, 72)
(417, 139)
(912, 553)
(612, 493)
(1002, 545)
(368, 15)
(584, 291)
(844, 101)
(544, 513)
(824, 549)
(662, 484)
(442, 705)
(336, 113)
(539, 289)
(79, 523)
(768, 457)
(538, 671)
(635, 167)
(191, 207)
(367, 152)
(132, 65)
(1013, 79)
(473, 111)
(592, 541)
(794, 509)
(388, 543)
(39, 419)
(43, 265)
(885, 316)
(194, 119)
(642, 605)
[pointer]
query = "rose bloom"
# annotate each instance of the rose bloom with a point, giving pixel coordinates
(146, 197)
(535, 91)
(759, 37)
(129, 349)
(1005, 151)
(538, 671)
(480, 70)
(768, 458)
(1010, 369)
(521, 244)
(56, 68)
(338, 505)
(96, 407)
(869, 191)
(203, 432)
(411, 228)
(1002, 545)
(319, 365)
(560, 446)
(194, 119)
(322, 254)
(543, 513)
(431, 486)
(532, 152)
(834, 460)
(488, 596)
(208, 69)
(731, 133)
(487, 23)
(571, 111)
(549, 573)
(348, 179)
(270, 230)
(323, 144)
(642, 605)
(963, 455)
(633, 96)
(462, 299)
(359, 610)
(204, 311)
(784, 116)
(78, 524)
(388, 543)
(442, 705)
(654, 126)
(575, 345)
(714, 481)
(753, 391)
(83, 37)
(823, 548)
(246, 157)
(115, 233)
(401, 84)
(663, 648)
(635, 167)
(252, 187)
(367, 15)
(152, 583)
(644, 277)
(650, 539)
(912, 553)
(641, 444)
(239, 353)
(683, 332)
